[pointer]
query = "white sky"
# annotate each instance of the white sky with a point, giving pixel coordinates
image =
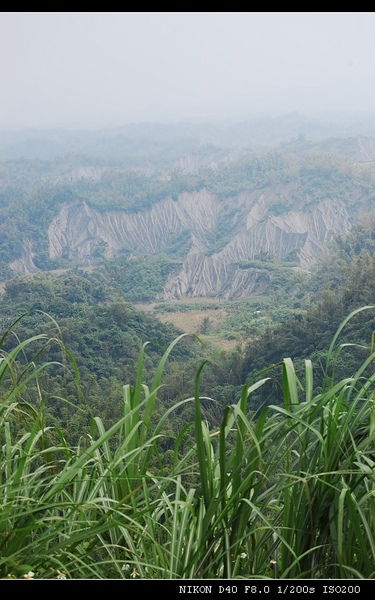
(95, 69)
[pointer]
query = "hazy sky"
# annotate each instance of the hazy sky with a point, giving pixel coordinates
(110, 68)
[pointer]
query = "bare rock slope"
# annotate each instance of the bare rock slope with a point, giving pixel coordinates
(224, 235)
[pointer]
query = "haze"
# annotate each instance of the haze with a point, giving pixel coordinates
(99, 69)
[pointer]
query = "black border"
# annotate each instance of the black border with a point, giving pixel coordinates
(222, 588)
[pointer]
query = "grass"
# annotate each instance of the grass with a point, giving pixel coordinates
(287, 495)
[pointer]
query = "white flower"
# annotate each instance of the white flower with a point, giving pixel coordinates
(61, 575)
(125, 567)
(243, 555)
(29, 575)
(134, 574)
(273, 561)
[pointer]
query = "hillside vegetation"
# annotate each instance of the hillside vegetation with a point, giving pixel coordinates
(286, 495)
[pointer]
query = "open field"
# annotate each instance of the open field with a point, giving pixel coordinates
(194, 320)
(191, 322)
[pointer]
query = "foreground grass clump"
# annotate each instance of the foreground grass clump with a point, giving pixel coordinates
(289, 494)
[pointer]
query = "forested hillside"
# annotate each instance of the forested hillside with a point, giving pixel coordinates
(103, 333)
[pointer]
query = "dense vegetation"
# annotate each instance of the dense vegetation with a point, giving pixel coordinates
(342, 281)
(288, 495)
(103, 331)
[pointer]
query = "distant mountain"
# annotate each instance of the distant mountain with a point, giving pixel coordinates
(140, 140)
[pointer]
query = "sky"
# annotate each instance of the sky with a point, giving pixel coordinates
(99, 69)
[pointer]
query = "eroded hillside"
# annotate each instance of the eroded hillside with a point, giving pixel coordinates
(226, 237)
(224, 221)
